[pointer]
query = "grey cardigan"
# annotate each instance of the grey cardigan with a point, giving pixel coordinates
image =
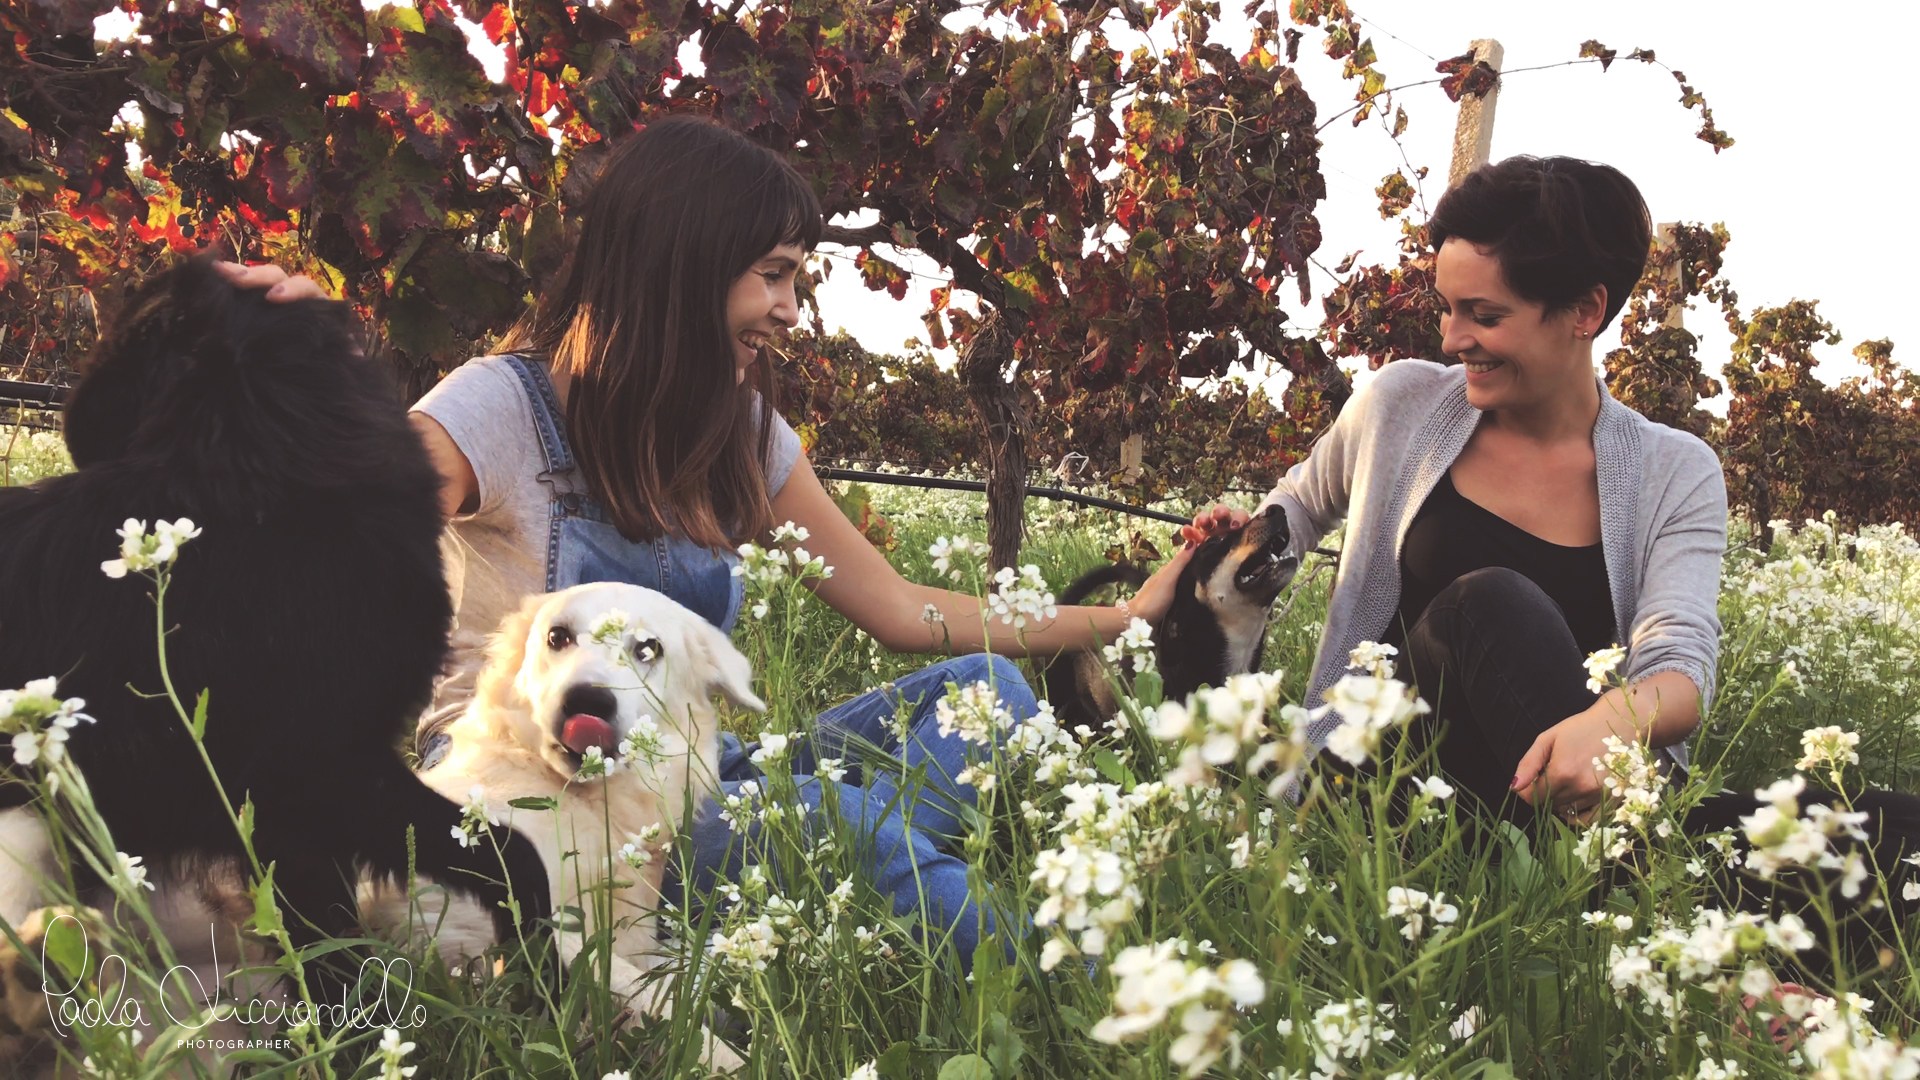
(1663, 513)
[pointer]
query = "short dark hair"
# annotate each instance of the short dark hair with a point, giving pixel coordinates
(1558, 225)
(638, 316)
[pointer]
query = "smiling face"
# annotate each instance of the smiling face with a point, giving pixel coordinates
(1517, 354)
(762, 304)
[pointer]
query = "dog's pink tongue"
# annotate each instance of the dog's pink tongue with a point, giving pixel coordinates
(584, 730)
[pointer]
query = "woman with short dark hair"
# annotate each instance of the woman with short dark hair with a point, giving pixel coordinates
(1506, 517)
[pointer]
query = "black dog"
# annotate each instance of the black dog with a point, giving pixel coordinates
(311, 609)
(1215, 628)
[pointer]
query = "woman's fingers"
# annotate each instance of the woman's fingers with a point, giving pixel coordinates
(1211, 522)
(273, 279)
(1531, 766)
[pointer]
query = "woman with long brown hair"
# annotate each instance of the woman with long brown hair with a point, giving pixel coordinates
(626, 431)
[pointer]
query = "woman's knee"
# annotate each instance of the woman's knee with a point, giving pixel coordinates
(1493, 600)
(1492, 588)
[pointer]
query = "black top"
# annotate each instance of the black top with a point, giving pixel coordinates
(1452, 536)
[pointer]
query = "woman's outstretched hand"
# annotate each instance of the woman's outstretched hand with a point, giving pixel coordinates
(1209, 522)
(272, 278)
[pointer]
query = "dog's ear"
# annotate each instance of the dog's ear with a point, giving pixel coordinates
(728, 672)
(161, 329)
(506, 651)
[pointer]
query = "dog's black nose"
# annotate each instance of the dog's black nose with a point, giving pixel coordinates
(589, 700)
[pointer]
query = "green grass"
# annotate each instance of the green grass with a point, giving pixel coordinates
(1306, 894)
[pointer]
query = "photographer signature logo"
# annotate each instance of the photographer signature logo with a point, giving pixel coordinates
(390, 1006)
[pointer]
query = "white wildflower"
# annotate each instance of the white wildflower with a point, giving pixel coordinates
(1016, 598)
(1372, 658)
(391, 1050)
(141, 550)
(773, 749)
(1830, 748)
(131, 871)
(1601, 665)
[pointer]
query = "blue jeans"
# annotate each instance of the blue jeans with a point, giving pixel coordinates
(909, 861)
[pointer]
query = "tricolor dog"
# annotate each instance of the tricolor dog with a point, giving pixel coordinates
(1215, 627)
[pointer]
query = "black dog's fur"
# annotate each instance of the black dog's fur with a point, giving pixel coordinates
(1208, 632)
(312, 609)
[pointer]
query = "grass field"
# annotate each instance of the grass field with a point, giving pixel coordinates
(1187, 924)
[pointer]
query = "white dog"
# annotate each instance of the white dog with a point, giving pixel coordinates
(600, 699)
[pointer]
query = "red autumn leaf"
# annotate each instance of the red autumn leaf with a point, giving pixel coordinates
(324, 40)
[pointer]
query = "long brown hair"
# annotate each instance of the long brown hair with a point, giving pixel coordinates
(664, 436)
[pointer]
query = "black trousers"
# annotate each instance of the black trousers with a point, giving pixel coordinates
(1494, 657)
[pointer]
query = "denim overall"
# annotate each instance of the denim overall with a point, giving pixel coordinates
(910, 839)
(583, 545)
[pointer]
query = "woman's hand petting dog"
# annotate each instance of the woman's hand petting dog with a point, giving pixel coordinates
(280, 287)
(1212, 522)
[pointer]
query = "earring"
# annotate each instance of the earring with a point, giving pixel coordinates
(1582, 334)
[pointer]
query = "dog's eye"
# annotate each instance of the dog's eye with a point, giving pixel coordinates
(646, 649)
(558, 638)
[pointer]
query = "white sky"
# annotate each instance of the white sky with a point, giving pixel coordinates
(1813, 192)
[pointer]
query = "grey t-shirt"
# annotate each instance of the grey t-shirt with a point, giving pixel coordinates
(497, 555)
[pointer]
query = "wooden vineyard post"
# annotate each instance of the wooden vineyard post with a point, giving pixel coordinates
(1473, 132)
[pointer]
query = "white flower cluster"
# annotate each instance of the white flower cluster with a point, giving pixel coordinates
(1830, 606)
(141, 550)
(474, 818)
(746, 804)
(1135, 645)
(642, 745)
(1621, 923)
(752, 944)
(1831, 748)
(1632, 781)
(1704, 954)
(974, 712)
(1218, 726)
(1057, 755)
(1414, 908)
(773, 748)
(638, 851)
(760, 927)
(1782, 838)
(1601, 666)
(1842, 1044)
(391, 1050)
(1369, 706)
(1347, 1031)
(1016, 598)
(764, 569)
(1091, 880)
(1157, 984)
(131, 871)
(951, 556)
(33, 456)
(609, 626)
(38, 722)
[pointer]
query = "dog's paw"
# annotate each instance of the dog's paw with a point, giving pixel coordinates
(25, 1023)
